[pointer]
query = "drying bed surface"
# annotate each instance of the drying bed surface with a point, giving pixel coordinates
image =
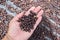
(51, 10)
(4, 21)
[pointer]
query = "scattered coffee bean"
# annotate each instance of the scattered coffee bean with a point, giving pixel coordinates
(42, 32)
(4, 21)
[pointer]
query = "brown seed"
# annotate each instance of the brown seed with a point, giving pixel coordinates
(27, 22)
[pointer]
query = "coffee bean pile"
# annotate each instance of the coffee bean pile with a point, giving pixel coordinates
(43, 32)
(27, 22)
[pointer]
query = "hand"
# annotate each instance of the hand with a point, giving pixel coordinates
(14, 29)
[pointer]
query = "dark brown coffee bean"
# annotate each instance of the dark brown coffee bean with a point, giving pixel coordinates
(27, 22)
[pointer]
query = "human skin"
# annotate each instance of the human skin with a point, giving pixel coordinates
(14, 30)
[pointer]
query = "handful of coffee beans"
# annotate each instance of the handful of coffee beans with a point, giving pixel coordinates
(27, 22)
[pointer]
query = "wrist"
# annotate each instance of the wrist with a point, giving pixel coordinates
(7, 37)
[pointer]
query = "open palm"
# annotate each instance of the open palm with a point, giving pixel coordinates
(14, 29)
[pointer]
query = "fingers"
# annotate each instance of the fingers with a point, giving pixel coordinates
(37, 9)
(40, 13)
(28, 12)
(36, 24)
(19, 16)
